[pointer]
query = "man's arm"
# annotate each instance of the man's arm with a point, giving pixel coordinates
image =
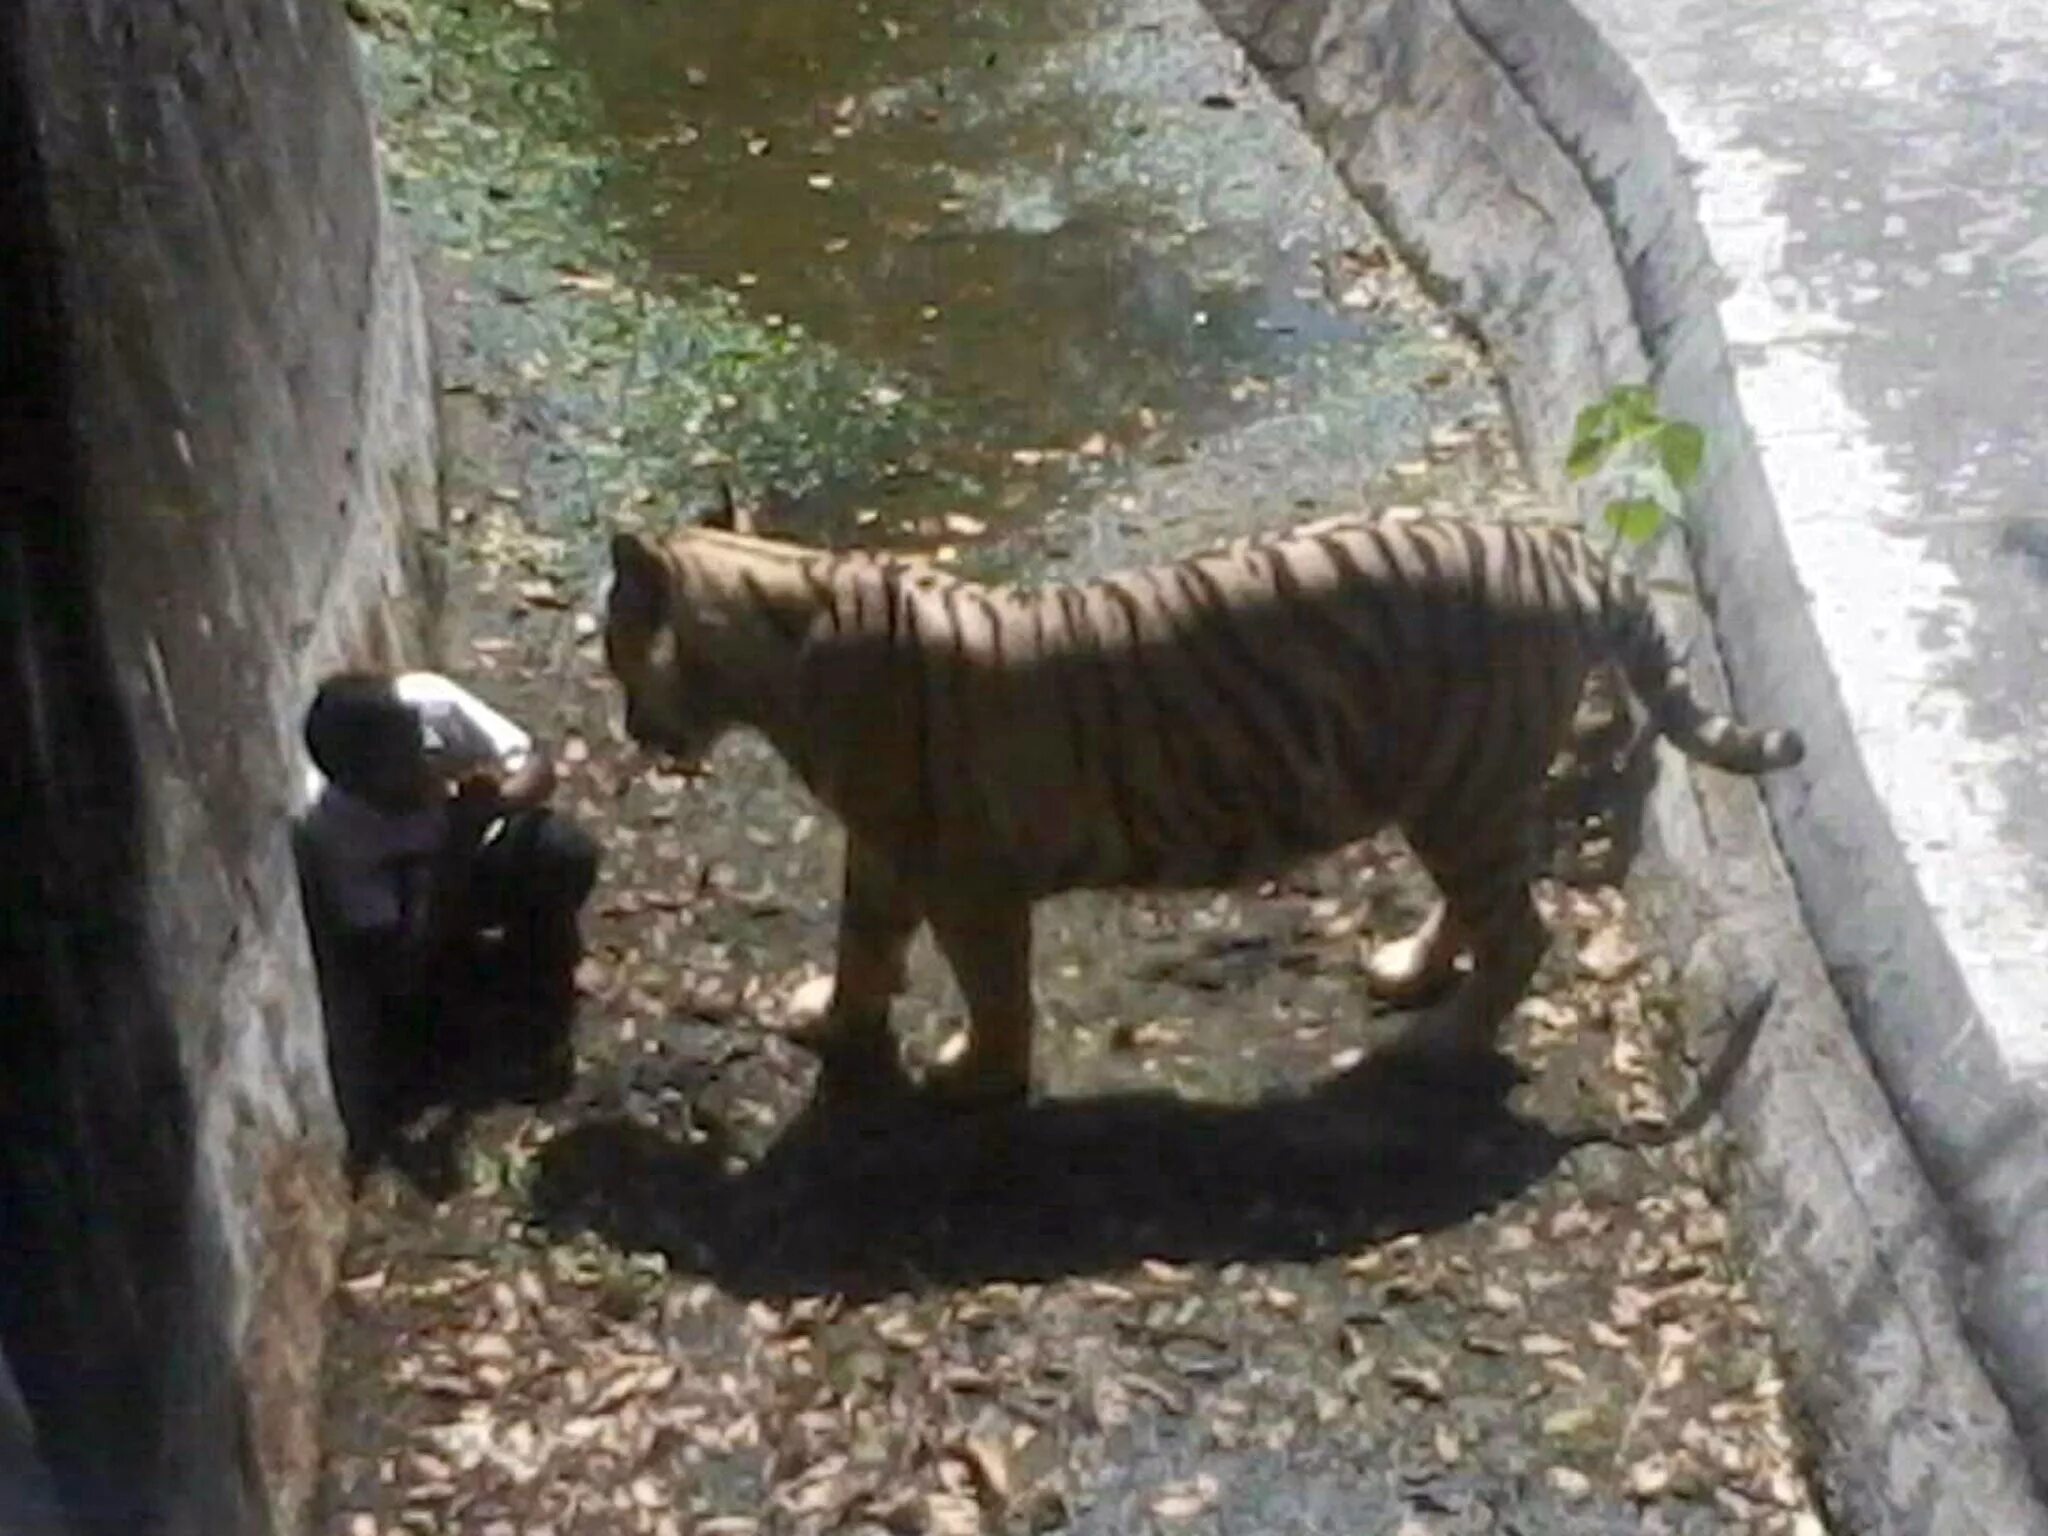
(495, 748)
(533, 783)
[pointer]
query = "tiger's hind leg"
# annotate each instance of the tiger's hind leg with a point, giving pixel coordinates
(1419, 967)
(1485, 871)
(986, 939)
(878, 918)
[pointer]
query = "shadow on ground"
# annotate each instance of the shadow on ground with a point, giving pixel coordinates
(490, 1045)
(861, 1202)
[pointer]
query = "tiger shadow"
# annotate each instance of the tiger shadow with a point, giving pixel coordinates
(866, 1200)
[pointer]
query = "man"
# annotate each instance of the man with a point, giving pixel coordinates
(426, 830)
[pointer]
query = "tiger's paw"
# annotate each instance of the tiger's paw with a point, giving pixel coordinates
(829, 1028)
(857, 1065)
(969, 1087)
(1417, 969)
(818, 1035)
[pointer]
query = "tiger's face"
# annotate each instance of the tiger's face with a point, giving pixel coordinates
(673, 698)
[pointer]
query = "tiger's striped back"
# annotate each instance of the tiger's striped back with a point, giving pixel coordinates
(1211, 720)
(1195, 724)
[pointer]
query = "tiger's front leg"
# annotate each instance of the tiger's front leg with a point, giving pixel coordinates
(1485, 871)
(878, 918)
(987, 941)
(1420, 967)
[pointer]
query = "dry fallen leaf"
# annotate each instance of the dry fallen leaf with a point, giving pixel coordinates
(1185, 1500)
(809, 999)
(1499, 1300)
(1608, 955)
(951, 1514)
(1567, 1422)
(989, 1460)
(585, 282)
(1514, 1238)
(1569, 1481)
(1418, 1381)
(1650, 1476)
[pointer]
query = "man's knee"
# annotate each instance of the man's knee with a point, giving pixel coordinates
(569, 860)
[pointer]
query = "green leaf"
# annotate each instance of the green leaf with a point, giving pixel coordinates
(1592, 422)
(1586, 457)
(1635, 518)
(1634, 406)
(1593, 438)
(1681, 446)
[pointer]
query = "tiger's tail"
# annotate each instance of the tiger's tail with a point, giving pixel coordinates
(1660, 680)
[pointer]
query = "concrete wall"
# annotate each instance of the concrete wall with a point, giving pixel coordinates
(1526, 174)
(215, 472)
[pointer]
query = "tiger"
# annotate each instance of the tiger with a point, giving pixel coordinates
(1205, 723)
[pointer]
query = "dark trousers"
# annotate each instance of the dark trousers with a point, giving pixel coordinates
(531, 882)
(504, 1003)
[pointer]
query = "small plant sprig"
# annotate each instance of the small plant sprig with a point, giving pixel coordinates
(1653, 460)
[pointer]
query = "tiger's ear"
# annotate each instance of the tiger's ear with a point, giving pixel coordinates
(640, 580)
(728, 516)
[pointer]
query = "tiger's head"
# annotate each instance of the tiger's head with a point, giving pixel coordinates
(693, 635)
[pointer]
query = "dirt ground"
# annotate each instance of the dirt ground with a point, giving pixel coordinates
(1220, 1279)
(1217, 1280)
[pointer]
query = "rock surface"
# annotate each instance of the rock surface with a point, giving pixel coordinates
(224, 455)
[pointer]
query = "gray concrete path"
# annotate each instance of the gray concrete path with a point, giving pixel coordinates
(1869, 182)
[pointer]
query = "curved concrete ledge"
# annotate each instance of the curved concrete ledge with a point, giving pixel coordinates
(1893, 1167)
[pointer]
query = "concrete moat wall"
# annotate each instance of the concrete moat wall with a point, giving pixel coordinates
(217, 478)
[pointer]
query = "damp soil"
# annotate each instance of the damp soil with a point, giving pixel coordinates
(1221, 1276)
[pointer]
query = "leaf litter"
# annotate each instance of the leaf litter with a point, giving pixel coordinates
(621, 1349)
(648, 1308)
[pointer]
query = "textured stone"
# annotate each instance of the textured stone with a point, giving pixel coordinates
(215, 485)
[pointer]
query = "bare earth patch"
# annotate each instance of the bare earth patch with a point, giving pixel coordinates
(1219, 1279)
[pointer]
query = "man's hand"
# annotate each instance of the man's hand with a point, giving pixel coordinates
(478, 800)
(479, 787)
(532, 784)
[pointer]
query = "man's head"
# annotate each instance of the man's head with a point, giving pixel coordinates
(367, 741)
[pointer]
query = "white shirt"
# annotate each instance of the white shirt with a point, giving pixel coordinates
(368, 861)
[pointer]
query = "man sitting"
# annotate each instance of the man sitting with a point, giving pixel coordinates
(426, 829)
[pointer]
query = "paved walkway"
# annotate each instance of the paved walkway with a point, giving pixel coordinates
(1868, 179)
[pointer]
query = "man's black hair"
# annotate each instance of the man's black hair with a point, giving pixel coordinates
(356, 723)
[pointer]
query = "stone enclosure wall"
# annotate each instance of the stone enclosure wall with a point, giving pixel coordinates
(217, 478)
